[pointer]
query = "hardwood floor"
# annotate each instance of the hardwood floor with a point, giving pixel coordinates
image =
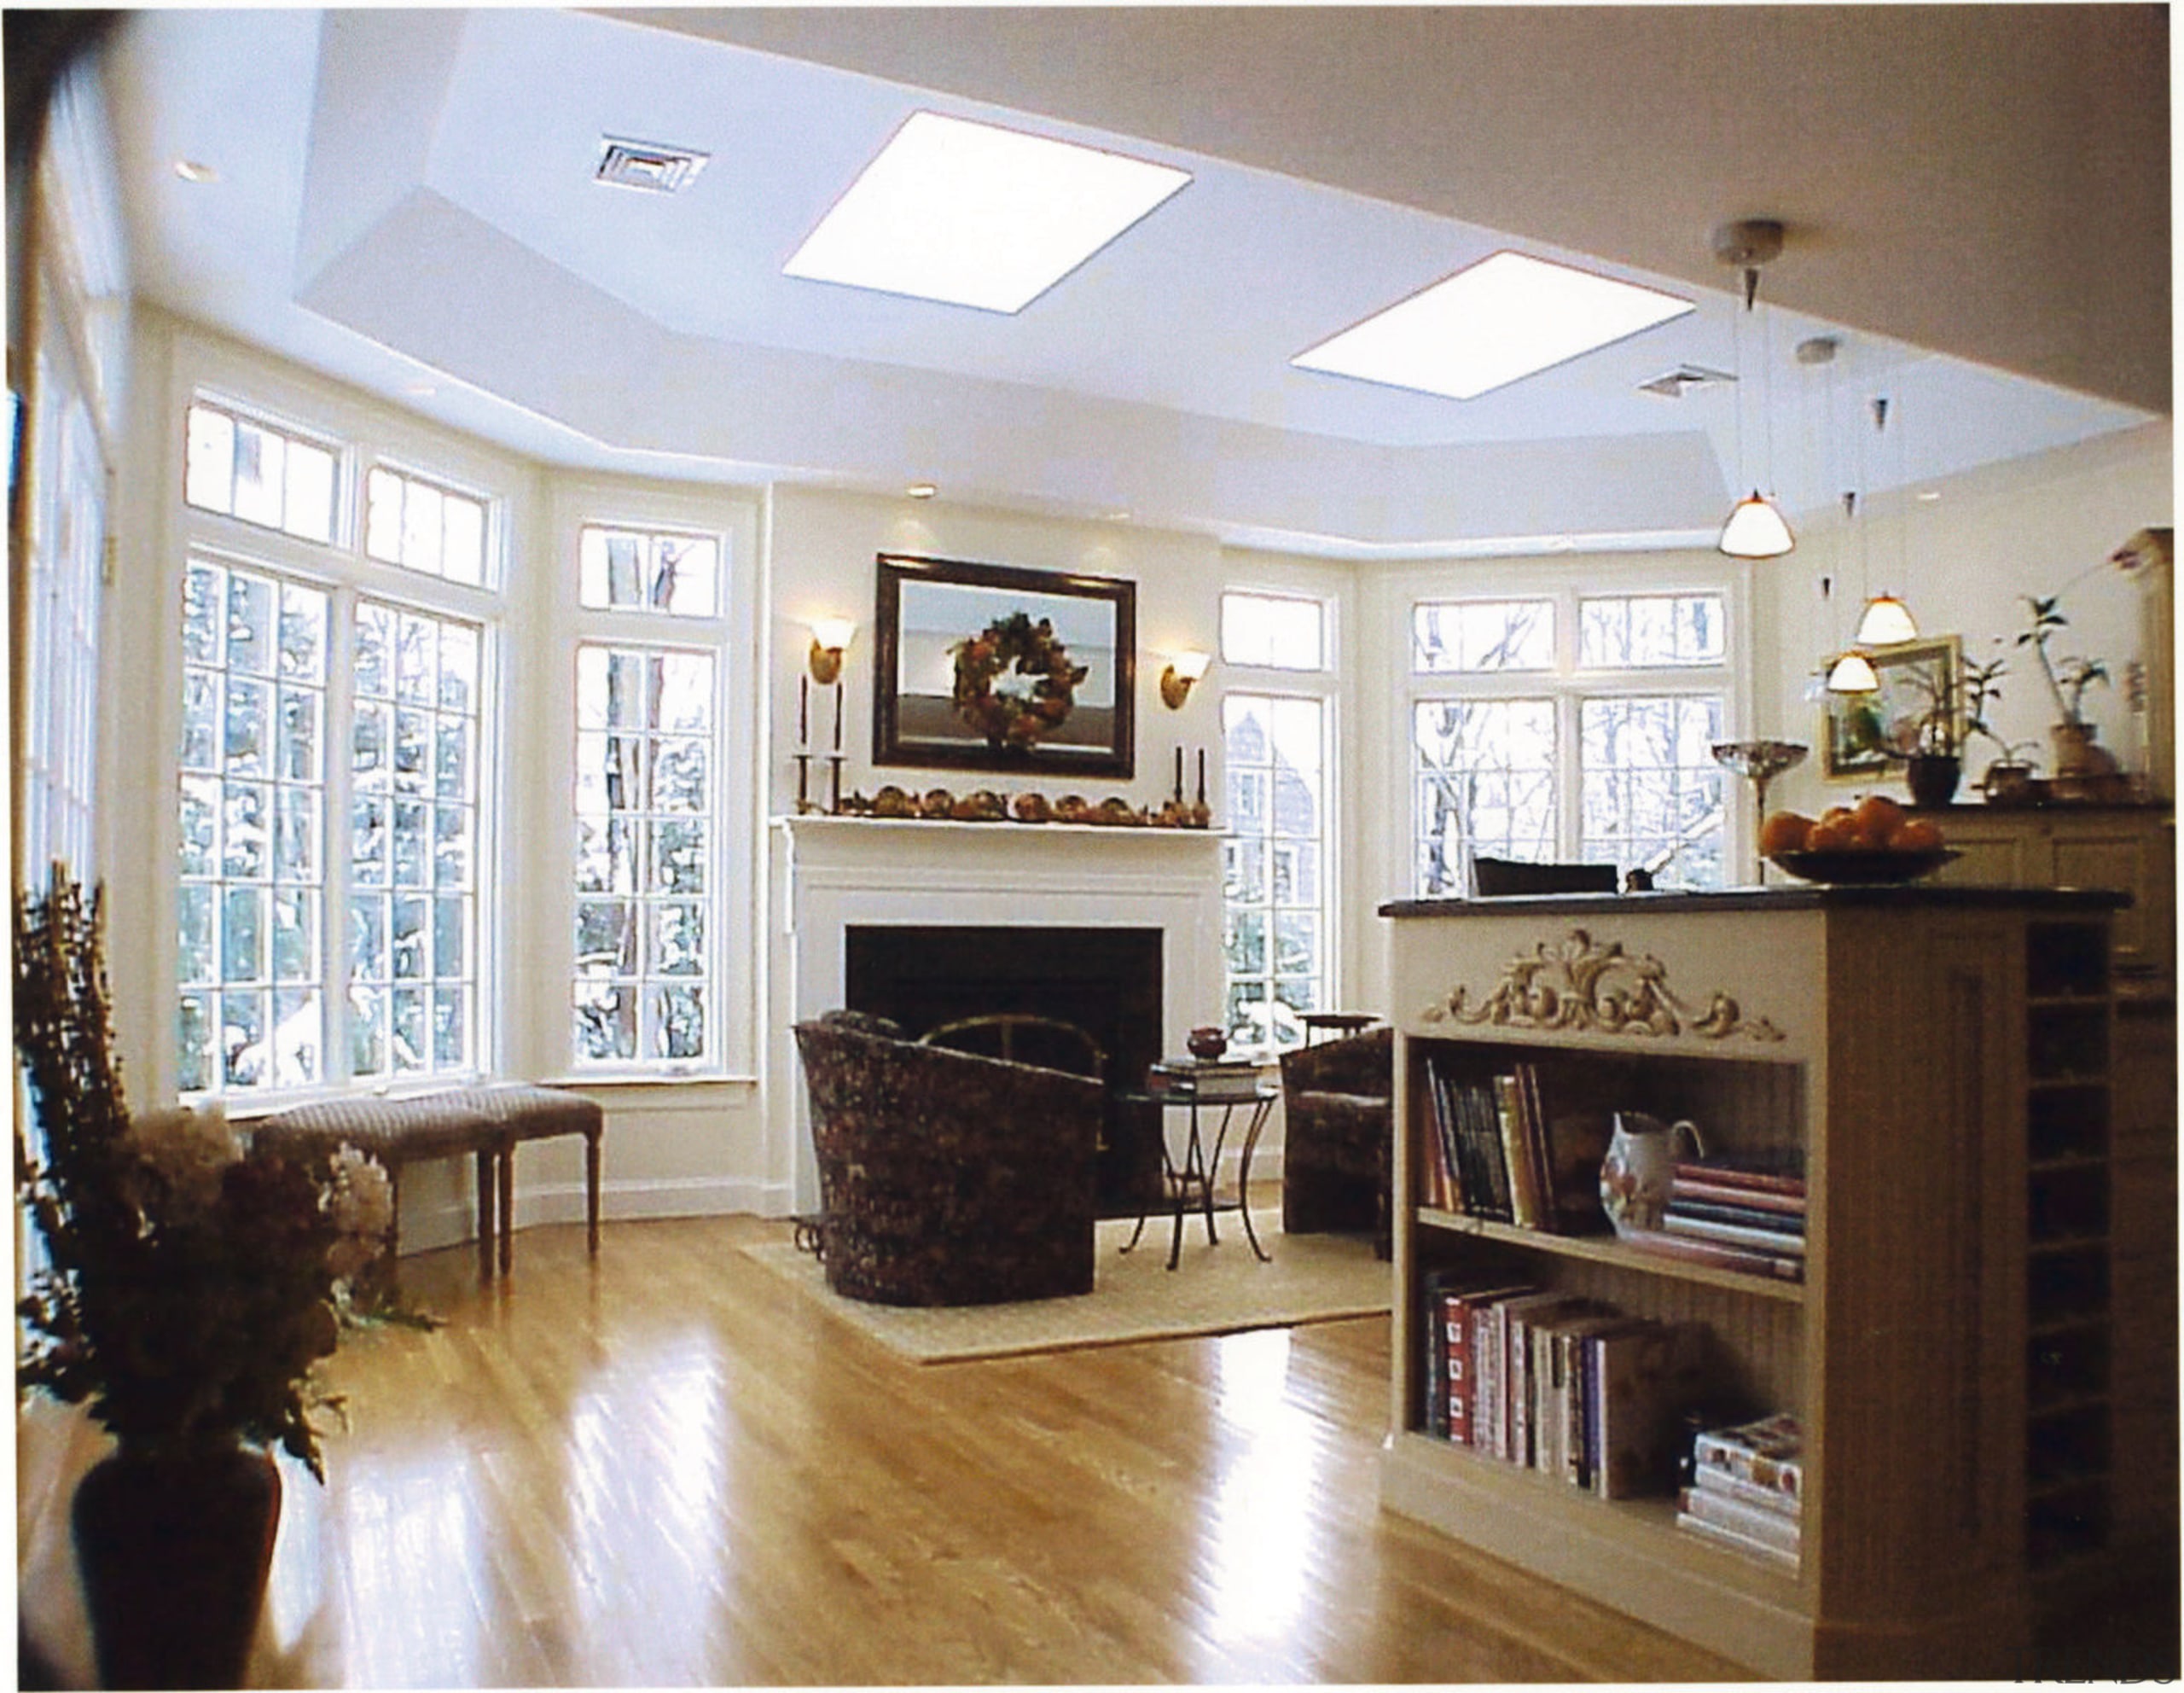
(669, 1469)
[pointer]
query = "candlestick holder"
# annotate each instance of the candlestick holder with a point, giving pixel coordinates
(802, 783)
(835, 783)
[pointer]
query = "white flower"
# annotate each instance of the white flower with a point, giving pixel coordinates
(188, 1149)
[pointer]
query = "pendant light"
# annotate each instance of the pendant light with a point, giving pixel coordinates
(1853, 672)
(1755, 529)
(1886, 621)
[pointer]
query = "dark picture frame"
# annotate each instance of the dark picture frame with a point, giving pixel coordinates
(927, 606)
(1863, 735)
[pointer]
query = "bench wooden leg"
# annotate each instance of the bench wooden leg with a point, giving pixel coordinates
(487, 1232)
(591, 1190)
(508, 1207)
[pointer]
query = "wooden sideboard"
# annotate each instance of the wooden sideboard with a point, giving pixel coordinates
(1941, 1062)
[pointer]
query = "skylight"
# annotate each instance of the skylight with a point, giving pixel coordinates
(975, 215)
(1504, 317)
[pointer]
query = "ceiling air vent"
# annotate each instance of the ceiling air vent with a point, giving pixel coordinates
(1675, 384)
(648, 165)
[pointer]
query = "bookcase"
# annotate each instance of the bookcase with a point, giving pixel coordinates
(1938, 1058)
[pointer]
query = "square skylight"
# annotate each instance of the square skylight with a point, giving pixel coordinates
(976, 215)
(1507, 317)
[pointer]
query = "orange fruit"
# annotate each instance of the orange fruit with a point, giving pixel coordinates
(1878, 817)
(1834, 834)
(1784, 832)
(1915, 835)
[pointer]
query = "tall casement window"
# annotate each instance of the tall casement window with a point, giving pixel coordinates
(1275, 750)
(334, 741)
(1569, 726)
(648, 799)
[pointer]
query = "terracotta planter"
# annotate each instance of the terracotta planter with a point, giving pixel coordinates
(1932, 776)
(2078, 752)
(174, 1552)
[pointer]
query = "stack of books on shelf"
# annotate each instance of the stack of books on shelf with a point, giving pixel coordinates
(1218, 1079)
(1557, 1383)
(1747, 1488)
(1738, 1216)
(1494, 1153)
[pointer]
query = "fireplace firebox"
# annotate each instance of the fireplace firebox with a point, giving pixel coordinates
(1106, 981)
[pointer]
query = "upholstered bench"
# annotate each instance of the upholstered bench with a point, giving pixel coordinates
(484, 1122)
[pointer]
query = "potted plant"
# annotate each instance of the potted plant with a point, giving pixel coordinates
(185, 1292)
(1955, 710)
(2076, 757)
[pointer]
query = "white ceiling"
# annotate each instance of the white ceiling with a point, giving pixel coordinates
(404, 197)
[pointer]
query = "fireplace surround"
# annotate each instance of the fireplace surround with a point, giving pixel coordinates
(840, 873)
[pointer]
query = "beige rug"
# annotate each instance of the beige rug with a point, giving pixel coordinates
(1212, 1290)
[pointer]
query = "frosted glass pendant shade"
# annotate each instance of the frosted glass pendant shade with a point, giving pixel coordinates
(1887, 622)
(1756, 530)
(1853, 674)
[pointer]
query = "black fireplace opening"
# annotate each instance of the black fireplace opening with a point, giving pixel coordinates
(1106, 981)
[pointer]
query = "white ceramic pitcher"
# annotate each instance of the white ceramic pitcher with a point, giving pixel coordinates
(1635, 1175)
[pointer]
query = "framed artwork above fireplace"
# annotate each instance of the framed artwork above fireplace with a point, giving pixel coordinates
(990, 667)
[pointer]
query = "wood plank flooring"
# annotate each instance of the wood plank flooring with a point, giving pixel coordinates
(669, 1469)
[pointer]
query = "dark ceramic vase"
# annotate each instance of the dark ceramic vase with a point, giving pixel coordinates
(1932, 776)
(174, 1552)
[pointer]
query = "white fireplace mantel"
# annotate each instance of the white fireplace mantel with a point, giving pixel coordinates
(834, 874)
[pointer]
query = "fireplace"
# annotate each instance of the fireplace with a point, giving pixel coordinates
(838, 875)
(1105, 980)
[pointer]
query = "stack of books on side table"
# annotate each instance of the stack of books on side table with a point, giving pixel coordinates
(1747, 1488)
(1205, 1078)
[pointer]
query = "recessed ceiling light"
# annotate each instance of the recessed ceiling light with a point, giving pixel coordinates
(190, 171)
(1929, 495)
(922, 491)
(975, 215)
(422, 389)
(1507, 317)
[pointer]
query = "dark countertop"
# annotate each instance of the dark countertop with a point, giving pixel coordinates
(1797, 897)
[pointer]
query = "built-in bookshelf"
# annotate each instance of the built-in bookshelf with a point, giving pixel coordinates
(1934, 1065)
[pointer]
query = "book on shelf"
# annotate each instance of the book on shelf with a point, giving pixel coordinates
(1204, 1078)
(1556, 1419)
(1781, 1267)
(1721, 1536)
(1456, 1366)
(1713, 1479)
(1769, 1453)
(1510, 1409)
(1757, 1522)
(1642, 1377)
(1686, 1190)
(1510, 1128)
(1782, 1174)
(1786, 1222)
(1494, 1153)
(1763, 1237)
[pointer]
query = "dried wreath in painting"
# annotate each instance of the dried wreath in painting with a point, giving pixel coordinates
(1014, 682)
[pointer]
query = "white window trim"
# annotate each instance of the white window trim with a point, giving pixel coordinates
(1566, 580)
(737, 976)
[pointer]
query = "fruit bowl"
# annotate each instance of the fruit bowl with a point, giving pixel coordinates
(1867, 867)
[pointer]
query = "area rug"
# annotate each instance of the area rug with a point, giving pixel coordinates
(1212, 1290)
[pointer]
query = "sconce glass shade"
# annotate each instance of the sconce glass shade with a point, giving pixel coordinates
(830, 636)
(1176, 681)
(1756, 530)
(1887, 622)
(1853, 673)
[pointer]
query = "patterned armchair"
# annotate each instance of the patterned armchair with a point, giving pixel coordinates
(1338, 1126)
(947, 1178)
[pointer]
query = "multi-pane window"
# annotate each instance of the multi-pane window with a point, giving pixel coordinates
(242, 467)
(250, 898)
(425, 527)
(657, 570)
(1274, 632)
(1569, 726)
(646, 754)
(57, 747)
(413, 804)
(1273, 892)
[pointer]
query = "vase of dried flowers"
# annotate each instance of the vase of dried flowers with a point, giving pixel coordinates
(185, 1293)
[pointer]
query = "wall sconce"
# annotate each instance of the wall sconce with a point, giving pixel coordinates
(830, 638)
(1177, 680)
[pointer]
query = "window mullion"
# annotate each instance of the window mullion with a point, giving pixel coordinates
(339, 740)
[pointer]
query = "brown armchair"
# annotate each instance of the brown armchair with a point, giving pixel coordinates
(946, 1177)
(1338, 1129)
